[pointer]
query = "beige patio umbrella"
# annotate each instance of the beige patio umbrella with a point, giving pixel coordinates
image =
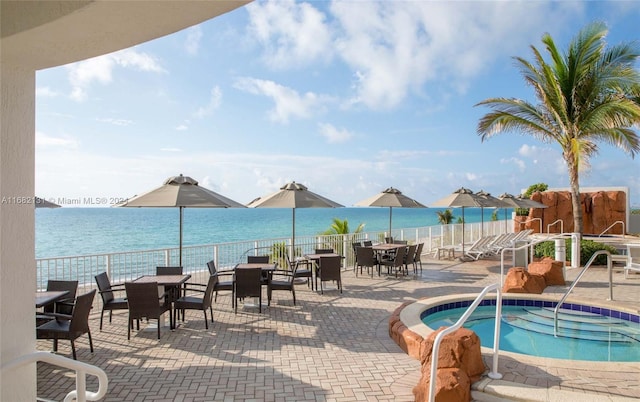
(512, 201)
(180, 192)
(461, 198)
(42, 203)
(293, 195)
(390, 197)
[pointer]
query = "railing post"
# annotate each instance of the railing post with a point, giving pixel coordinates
(575, 250)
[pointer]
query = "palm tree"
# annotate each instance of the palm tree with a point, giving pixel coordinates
(339, 226)
(587, 95)
(445, 217)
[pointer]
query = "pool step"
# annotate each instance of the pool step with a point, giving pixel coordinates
(576, 316)
(573, 328)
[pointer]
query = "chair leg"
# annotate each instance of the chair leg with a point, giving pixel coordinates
(55, 344)
(73, 349)
(159, 328)
(206, 321)
(90, 341)
(129, 328)
(101, 315)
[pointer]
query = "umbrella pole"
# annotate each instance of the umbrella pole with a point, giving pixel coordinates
(462, 256)
(481, 221)
(390, 214)
(293, 237)
(505, 220)
(181, 215)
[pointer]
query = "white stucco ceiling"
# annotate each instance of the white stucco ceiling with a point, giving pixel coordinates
(43, 34)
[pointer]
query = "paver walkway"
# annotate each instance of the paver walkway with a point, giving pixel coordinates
(331, 347)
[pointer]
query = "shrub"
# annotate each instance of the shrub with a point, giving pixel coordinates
(587, 249)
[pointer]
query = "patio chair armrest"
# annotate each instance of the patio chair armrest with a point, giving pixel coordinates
(188, 289)
(57, 316)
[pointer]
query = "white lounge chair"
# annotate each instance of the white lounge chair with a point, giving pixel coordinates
(633, 259)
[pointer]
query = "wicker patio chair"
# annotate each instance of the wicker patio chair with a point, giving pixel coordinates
(192, 302)
(144, 302)
(70, 327)
(329, 269)
(248, 283)
(109, 301)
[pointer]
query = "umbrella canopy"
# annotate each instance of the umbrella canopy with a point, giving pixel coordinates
(461, 198)
(42, 203)
(390, 197)
(512, 201)
(180, 192)
(293, 195)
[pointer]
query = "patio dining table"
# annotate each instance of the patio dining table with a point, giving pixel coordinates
(50, 296)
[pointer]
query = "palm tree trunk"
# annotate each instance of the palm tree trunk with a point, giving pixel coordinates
(575, 195)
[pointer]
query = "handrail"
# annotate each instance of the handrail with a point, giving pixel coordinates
(80, 394)
(624, 233)
(525, 246)
(494, 374)
(534, 219)
(575, 282)
(561, 225)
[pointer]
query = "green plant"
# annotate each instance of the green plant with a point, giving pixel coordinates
(587, 249)
(445, 217)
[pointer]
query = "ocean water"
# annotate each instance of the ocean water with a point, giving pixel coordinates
(81, 231)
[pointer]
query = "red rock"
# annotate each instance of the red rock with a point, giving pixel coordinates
(452, 385)
(518, 280)
(550, 269)
(600, 210)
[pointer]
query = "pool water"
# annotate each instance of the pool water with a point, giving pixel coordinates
(529, 330)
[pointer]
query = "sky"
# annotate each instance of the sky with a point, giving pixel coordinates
(347, 97)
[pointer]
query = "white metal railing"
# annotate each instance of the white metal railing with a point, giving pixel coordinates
(80, 394)
(561, 225)
(123, 266)
(575, 282)
(494, 374)
(525, 248)
(624, 233)
(534, 219)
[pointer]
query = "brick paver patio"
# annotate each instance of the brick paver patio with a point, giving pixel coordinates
(331, 347)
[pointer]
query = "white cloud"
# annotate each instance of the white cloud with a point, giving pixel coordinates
(293, 34)
(192, 43)
(529, 150)
(46, 92)
(45, 141)
(182, 127)
(288, 102)
(116, 122)
(518, 162)
(100, 69)
(214, 102)
(171, 150)
(333, 134)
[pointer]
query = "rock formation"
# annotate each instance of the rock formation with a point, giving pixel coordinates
(600, 210)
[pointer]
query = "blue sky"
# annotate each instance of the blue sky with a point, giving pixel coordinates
(348, 98)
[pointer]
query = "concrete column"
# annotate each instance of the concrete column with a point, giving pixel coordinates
(17, 229)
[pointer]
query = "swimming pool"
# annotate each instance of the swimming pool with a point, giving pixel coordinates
(586, 332)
